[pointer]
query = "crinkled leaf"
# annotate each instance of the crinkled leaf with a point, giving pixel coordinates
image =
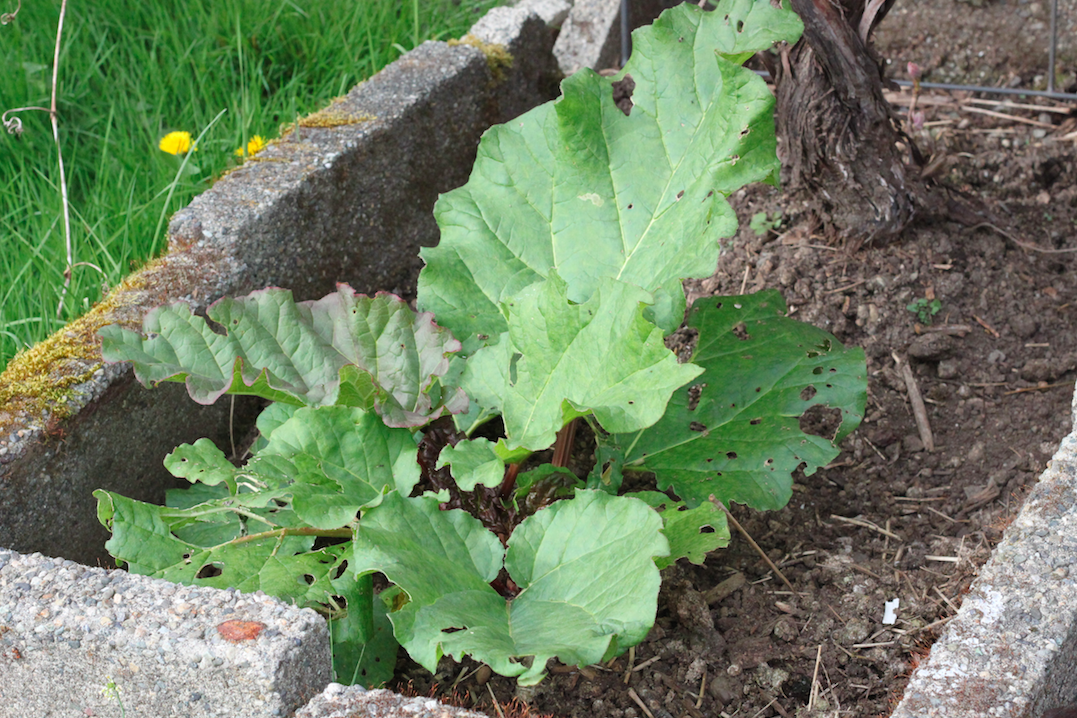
(428, 553)
(585, 569)
(687, 529)
(473, 462)
(347, 457)
(596, 553)
(560, 360)
(347, 348)
(735, 432)
(142, 537)
(579, 188)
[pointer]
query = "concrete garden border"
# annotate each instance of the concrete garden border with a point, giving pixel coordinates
(1011, 650)
(347, 196)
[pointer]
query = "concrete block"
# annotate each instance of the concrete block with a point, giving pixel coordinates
(591, 36)
(66, 628)
(552, 12)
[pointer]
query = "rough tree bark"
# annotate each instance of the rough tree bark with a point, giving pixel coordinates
(839, 135)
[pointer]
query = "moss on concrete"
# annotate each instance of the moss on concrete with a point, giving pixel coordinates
(498, 57)
(37, 383)
(333, 115)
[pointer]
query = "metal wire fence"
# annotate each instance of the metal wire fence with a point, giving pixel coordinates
(1052, 57)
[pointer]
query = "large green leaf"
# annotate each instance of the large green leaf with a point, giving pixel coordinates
(346, 348)
(559, 360)
(584, 567)
(348, 458)
(577, 187)
(329, 461)
(735, 433)
(428, 553)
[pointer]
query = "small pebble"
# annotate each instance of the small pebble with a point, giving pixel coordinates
(912, 444)
(722, 688)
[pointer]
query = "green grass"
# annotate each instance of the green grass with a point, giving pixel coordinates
(130, 72)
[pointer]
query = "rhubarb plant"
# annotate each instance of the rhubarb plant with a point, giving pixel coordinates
(413, 445)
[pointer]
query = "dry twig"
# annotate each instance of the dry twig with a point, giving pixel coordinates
(639, 702)
(815, 679)
(916, 401)
(494, 699)
(751, 541)
(1038, 387)
(866, 524)
(1020, 243)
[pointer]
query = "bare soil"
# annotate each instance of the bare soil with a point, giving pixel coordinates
(889, 519)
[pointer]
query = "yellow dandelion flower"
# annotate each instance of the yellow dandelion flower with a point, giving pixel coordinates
(256, 145)
(176, 143)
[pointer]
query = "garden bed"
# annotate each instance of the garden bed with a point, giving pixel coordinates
(888, 519)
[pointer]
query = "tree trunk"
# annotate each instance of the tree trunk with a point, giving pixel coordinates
(839, 137)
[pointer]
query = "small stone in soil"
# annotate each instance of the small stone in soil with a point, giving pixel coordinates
(932, 347)
(947, 369)
(912, 443)
(723, 688)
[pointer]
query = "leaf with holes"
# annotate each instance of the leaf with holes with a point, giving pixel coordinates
(203, 462)
(147, 538)
(692, 533)
(326, 461)
(560, 269)
(741, 429)
(346, 348)
(578, 188)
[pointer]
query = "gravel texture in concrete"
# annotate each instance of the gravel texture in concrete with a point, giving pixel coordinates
(173, 651)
